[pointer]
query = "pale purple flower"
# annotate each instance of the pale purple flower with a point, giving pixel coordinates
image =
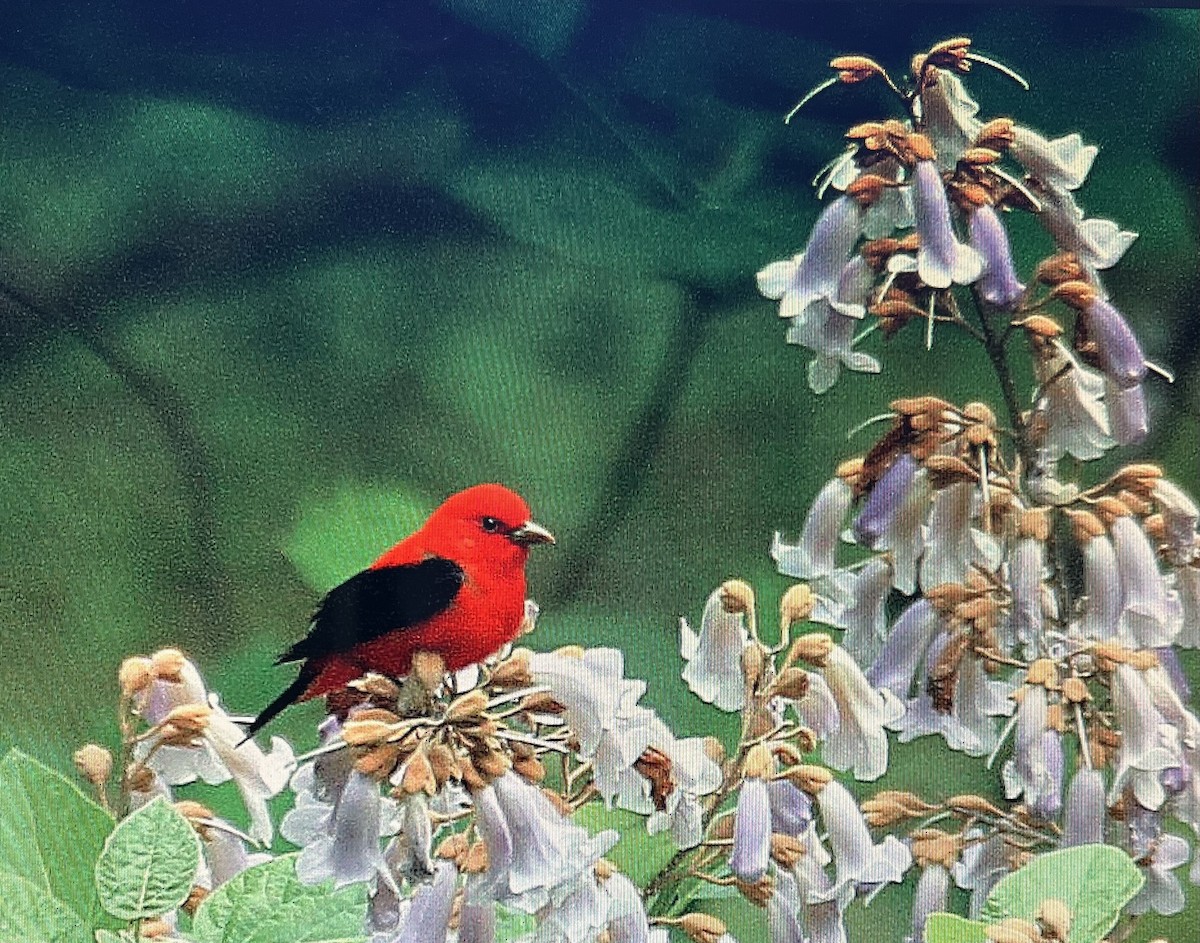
(817, 709)
(582, 914)
(535, 855)
(864, 619)
(592, 689)
(857, 859)
(225, 854)
(905, 647)
(813, 275)
(931, 895)
(1098, 243)
(1127, 413)
(339, 840)
(1031, 771)
(981, 866)
(999, 284)
(1102, 589)
(476, 923)
(941, 260)
(815, 554)
(221, 753)
(751, 853)
(426, 917)
(714, 670)
(1064, 162)
(1187, 584)
(827, 328)
(1084, 811)
(1152, 613)
(791, 808)
(884, 500)
(1072, 407)
(783, 911)
(1149, 744)
(860, 742)
(1117, 349)
(1158, 854)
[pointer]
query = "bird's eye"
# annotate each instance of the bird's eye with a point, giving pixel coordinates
(492, 525)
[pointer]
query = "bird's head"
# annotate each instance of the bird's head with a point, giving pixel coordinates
(485, 519)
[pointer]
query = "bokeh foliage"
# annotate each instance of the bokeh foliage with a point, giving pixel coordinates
(273, 282)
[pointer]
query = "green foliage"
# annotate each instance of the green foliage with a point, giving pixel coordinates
(951, 928)
(149, 863)
(512, 925)
(268, 904)
(32, 915)
(51, 836)
(1094, 881)
(341, 535)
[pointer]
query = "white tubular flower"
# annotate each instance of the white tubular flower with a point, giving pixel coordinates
(1029, 773)
(225, 854)
(815, 555)
(535, 855)
(694, 774)
(1180, 515)
(1102, 589)
(1099, 243)
(627, 921)
(1026, 565)
(933, 890)
(476, 923)
(714, 668)
(813, 275)
(817, 709)
(904, 535)
(593, 690)
(1064, 162)
(1187, 584)
(783, 911)
(1149, 745)
(222, 751)
(952, 545)
(859, 742)
(827, 328)
(339, 840)
(1158, 854)
(1084, 812)
(582, 915)
(865, 619)
(857, 859)
(1072, 406)
(941, 259)
(950, 117)
(1152, 614)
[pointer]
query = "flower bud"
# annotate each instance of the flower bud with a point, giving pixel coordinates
(514, 672)
(786, 851)
(791, 683)
(703, 928)
(167, 664)
(809, 778)
(135, 675)
(467, 707)
(1055, 918)
(429, 668)
(813, 648)
(189, 719)
(737, 596)
(94, 763)
(1075, 690)
(796, 605)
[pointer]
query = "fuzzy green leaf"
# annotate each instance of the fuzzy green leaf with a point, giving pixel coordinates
(637, 854)
(513, 925)
(31, 915)
(268, 904)
(1094, 881)
(951, 928)
(148, 863)
(51, 835)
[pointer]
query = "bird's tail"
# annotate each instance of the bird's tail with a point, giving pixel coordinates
(292, 693)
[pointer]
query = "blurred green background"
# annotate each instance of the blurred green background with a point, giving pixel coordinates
(276, 278)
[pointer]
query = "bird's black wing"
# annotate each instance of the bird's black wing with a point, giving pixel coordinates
(375, 602)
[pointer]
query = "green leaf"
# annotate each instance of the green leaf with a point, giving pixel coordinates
(30, 914)
(107, 936)
(513, 925)
(951, 928)
(148, 863)
(1094, 881)
(340, 535)
(268, 904)
(637, 854)
(51, 835)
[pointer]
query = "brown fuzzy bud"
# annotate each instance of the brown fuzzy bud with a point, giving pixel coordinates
(931, 846)
(997, 134)
(1110, 508)
(754, 662)
(786, 851)
(759, 762)
(919, 148)
(189, 719)
(852, 69)
(809, 778)
(493, 764)
(866, 189)
(135, 675)
(1043, 672)
(850, 469)
(364, 732)
(168, 664)
(737, 596)
(812, 648)
(94, 762)
(376, 686)
(759, 892)
(1055, 917)
(530, 767)
(946, 470)
(195, 898)
(467, 707)
(139, 778)
(1077, 294)
(1038, 325)
(1143, 659)
(796, 605)
(1085, 525)
(968, 805)
(883, 811)
(791, 683)
(513, 672)
(1035, 524)
(1140, 477)
(1075, 691)
(429, 668)
(417, 775)
(195, 812)
(444, 764)
(703, 928)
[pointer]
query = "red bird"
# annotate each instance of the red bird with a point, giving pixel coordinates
(456, 587)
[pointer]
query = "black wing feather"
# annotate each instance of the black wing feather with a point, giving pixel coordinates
(375, 602)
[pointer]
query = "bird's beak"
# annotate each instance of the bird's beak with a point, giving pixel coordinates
(529, 534)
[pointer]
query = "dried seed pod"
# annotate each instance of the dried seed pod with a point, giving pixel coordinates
(429, 668)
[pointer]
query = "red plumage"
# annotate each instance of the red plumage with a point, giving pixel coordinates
(455, 587)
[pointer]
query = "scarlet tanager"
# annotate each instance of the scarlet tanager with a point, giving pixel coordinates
(456, 587)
